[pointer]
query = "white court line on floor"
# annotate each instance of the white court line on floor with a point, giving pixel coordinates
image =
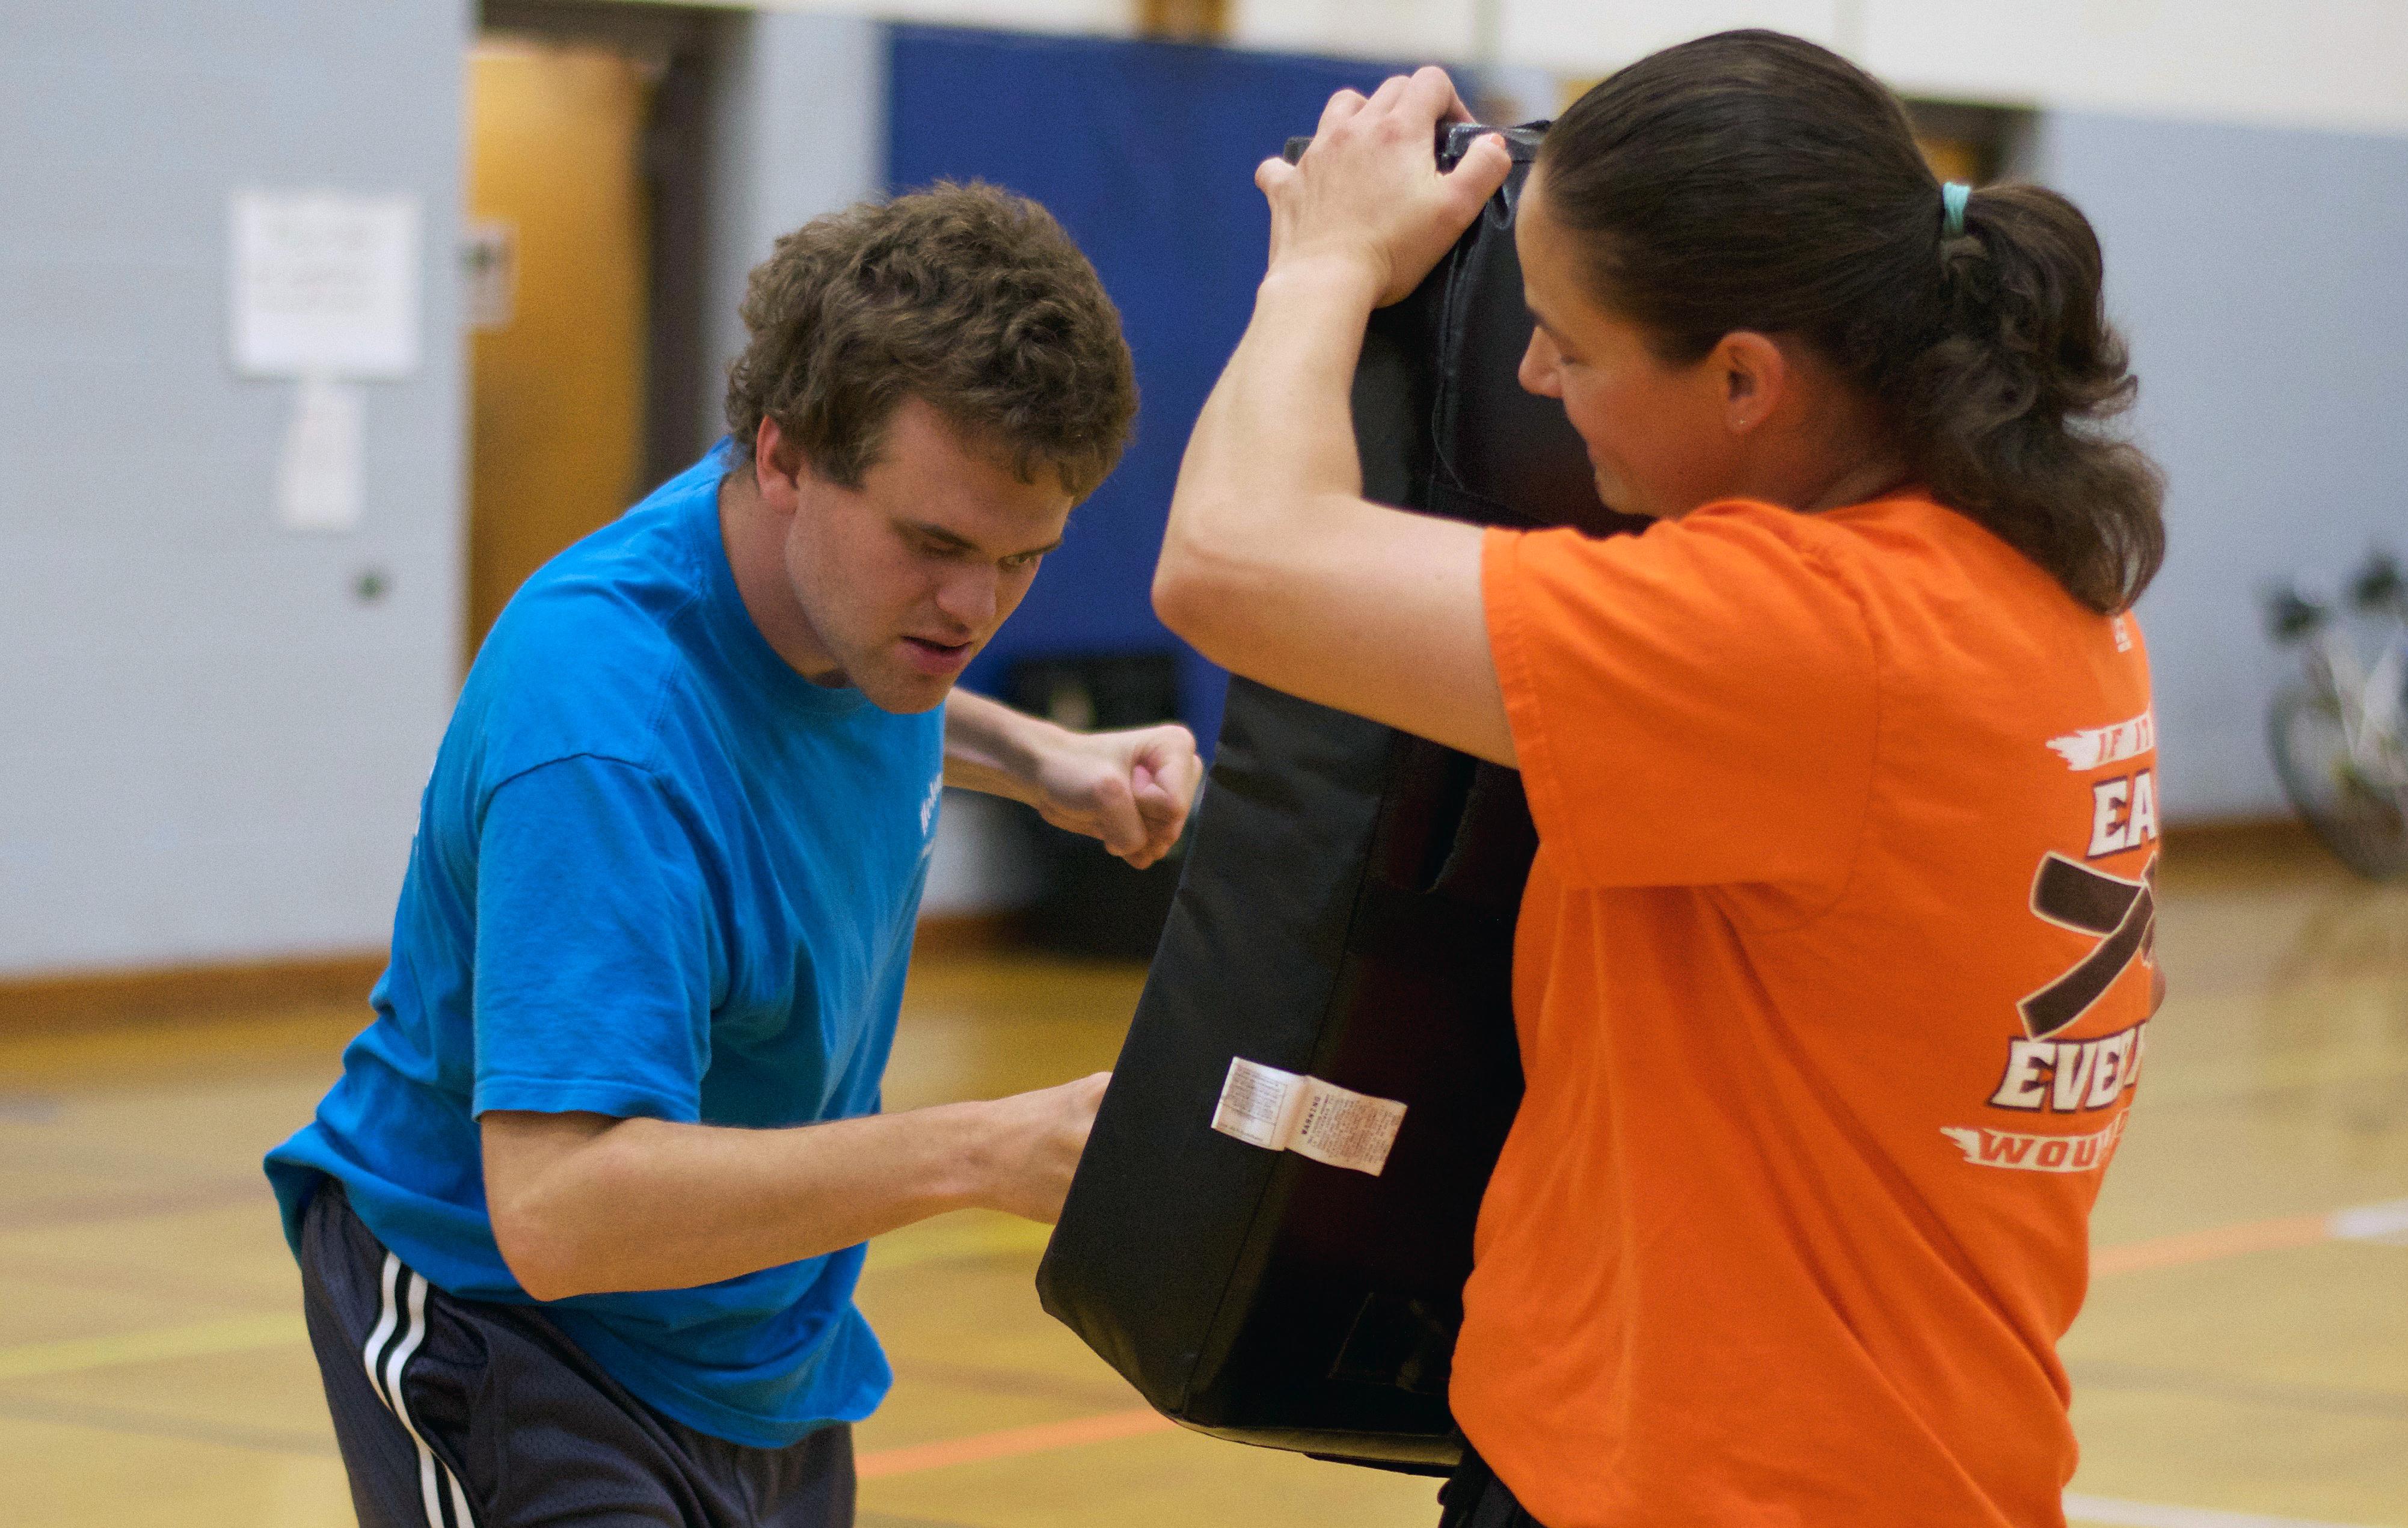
(2385, 1222)
(2107, 1509)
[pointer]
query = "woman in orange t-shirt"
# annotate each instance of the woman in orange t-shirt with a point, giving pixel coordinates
(1835, 960)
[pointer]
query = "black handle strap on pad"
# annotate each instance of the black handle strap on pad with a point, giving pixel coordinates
(1346, 913)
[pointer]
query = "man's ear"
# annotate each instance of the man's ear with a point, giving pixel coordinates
(1756, 377)
(775, 467)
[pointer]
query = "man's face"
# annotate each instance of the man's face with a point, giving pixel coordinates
(902, 580)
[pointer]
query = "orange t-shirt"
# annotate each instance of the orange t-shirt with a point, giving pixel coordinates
(1829, 981)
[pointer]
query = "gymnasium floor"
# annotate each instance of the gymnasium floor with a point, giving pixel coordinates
(2244, 1360)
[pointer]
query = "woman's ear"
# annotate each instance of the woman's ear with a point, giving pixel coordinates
(1756, 377)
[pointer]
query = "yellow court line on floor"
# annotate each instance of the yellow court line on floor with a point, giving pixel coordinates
(240, 1334)
(1010, 1443)
(232, 1334)
(943, 1241)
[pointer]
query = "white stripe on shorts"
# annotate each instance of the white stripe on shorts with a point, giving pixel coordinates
(446, 1504)
(388, 1314)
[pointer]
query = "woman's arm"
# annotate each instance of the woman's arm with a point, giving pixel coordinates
(1273, 564)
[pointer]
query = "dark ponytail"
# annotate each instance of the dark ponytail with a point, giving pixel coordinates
(1752, 181)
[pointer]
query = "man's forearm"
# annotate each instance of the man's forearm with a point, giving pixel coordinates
(1129, 787)
(587, 1204)
(989, 747)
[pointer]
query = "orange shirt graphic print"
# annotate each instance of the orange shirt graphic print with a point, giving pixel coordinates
(2048, 1068)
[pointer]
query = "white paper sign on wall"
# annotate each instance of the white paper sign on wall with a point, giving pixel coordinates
(325, 284)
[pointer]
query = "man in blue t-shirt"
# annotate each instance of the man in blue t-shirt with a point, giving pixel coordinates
(579, 1224)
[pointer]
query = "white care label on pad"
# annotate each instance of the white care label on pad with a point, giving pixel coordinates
(1283, 1112)
(1347, 1129)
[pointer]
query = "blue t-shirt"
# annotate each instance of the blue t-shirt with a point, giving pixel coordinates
(657, 872)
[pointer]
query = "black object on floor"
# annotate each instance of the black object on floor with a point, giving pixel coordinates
(1090, 903)
(1347, 914)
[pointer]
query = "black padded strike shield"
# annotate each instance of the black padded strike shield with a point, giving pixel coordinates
(1347, 914)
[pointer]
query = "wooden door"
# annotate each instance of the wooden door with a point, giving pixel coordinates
(556, 426)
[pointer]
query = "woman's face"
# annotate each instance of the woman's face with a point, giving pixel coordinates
(1656, 434)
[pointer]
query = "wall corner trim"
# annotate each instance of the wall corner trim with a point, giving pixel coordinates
(58, 1002)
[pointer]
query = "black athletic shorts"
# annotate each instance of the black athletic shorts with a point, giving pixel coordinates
(1473, 1497)
(456, 1412)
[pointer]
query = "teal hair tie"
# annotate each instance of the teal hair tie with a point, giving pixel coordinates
(1953, 198)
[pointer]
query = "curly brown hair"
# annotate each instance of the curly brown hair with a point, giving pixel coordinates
(967, 297)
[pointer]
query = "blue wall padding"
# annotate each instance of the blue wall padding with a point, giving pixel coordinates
(1146, 153)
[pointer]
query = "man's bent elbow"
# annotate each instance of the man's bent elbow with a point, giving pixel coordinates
(540, 1190)
(540, 1256)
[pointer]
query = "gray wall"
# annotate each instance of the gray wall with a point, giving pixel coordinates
(209, 749)
(2262, 277)
(798, 128)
